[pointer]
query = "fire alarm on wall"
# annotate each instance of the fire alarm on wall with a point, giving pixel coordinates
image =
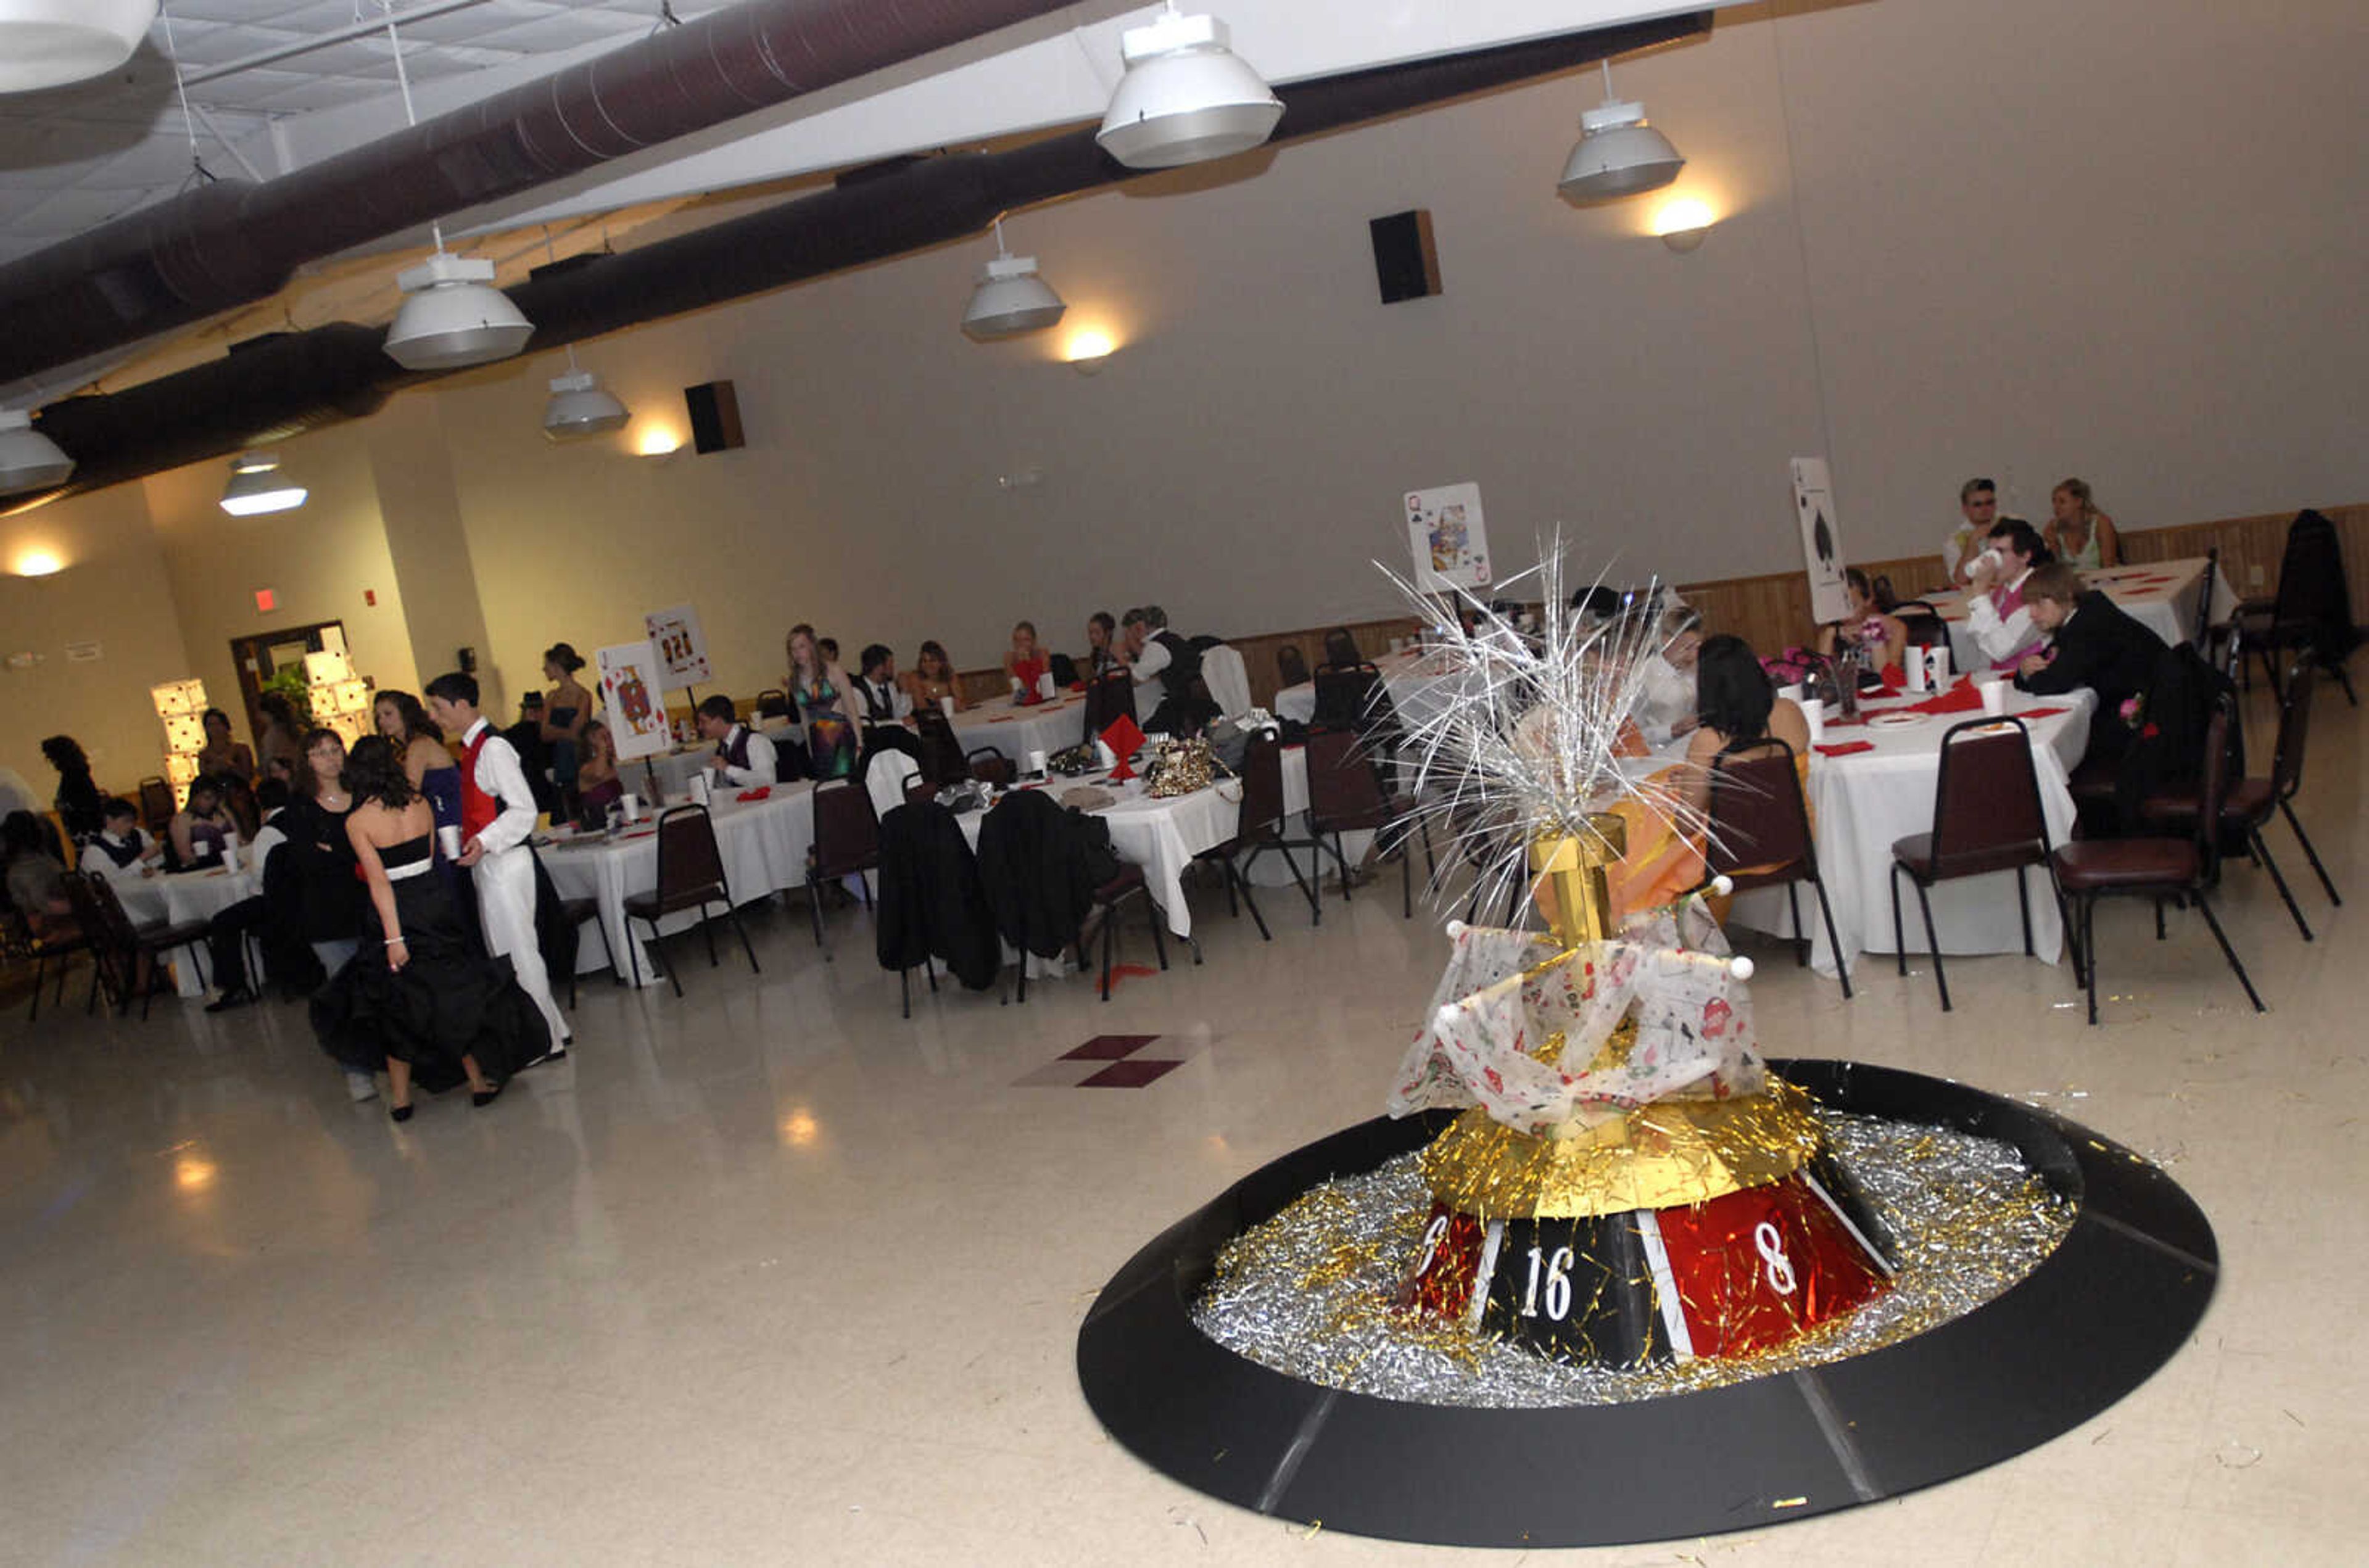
(369, 597)
(266, 601)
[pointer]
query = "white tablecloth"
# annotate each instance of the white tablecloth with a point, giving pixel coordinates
(184, 896)
(763, 843)
(674, 768)
(1164, 835)
(1415, 680)
(2158, 595)
(1865, 802)
(1015, 731)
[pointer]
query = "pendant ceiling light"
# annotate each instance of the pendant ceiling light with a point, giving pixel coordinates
(1619, 153)
(452, 314)
(28, 460)
(1185, 97)
(1010, 298)
(256, 485)
(47, 43)
(581, 406)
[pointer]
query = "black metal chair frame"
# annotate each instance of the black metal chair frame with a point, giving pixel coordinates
(16, 939)
(815, 873)
(1939, 853)
(2207, 831)
(1269, 836)
(137, 948)
(1403, 823)
(710, 894)
(577, 911)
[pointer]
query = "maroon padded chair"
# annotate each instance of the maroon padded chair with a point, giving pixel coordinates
(1345, 796)
(2091, 869)
(691, 877)
(988, 764)
(17, 943)
(1290, 666)
(1987, 816)
(846, 843)
(129, 957)
(1127, 885)
(2247, 807)
(1258, 829)
(1760, 834)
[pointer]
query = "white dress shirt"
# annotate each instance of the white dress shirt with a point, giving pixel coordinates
(499, 775)
(267, 838)
(2000, 635)
(764, 766)
(1666, 699)
(141, 845)
(1150, 663)
(885, 696)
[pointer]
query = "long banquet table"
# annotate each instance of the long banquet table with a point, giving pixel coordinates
(1865, 802)
(764, 845)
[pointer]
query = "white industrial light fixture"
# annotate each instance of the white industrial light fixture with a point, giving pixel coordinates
(1619, 153)
(256, 485)
(47, 43)
(452, 314)
(28, 460)
(1185, 97)
(1010, 299)
(581, 406)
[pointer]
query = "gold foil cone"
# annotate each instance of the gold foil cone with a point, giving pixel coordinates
(1669, 1153)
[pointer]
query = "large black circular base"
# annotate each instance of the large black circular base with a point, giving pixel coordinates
(2106, 1309)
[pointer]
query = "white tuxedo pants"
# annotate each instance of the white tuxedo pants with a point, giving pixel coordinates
(505, 884)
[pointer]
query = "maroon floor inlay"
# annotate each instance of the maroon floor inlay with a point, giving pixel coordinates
(1109, 1047)
(1133, 1073)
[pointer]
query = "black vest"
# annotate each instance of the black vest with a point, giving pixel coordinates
(877, 710)
(734, 748)
(1183, 664)
(123, 855)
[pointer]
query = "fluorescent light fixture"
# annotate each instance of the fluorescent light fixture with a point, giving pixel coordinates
(256, 485)
(453, 316)
(47, 43)
(1186, 98)
(28, 460)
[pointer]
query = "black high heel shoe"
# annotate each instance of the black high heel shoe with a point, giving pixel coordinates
(481, 1098)
(399, 1113)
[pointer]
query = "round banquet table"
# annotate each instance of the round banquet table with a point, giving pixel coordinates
(185, 896)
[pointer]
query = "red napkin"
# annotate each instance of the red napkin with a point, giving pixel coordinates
(762, 792)
(2038, 713)
(1847, 723)
(1960, 698)
(1895, 679)
(1124, 738)
(1845, 747)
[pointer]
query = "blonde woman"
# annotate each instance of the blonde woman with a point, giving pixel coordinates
(2077, 534)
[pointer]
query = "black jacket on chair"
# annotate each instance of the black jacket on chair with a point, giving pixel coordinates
(2100, 647)
(930, 897)
(1040, 866)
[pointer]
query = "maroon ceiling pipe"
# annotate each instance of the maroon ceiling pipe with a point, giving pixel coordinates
(293, 382)
(233, 242)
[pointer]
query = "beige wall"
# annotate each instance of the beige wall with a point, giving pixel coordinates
(319, 561)
(2023, 239)
(114, 592)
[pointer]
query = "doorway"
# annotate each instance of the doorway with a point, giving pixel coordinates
(257, 659)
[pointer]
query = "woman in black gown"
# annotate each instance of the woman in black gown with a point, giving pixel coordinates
(427, 1004)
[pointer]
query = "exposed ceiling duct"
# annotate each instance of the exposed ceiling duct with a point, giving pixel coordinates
(286, 384)
(232, 242)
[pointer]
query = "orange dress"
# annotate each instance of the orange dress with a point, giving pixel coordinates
(1662, 864)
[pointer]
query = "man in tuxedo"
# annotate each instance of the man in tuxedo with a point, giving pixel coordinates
(2093, 642)
(743, 759)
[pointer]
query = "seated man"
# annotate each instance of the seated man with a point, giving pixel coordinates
(744, 759)
(880, 698)
(1996, 617)
(1153, 653)
(2093, 642)
(120, 849)
(226, 937)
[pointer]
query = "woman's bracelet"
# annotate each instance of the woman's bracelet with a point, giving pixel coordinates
(393, 940)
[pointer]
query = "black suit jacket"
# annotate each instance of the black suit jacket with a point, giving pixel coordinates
(2102, 648)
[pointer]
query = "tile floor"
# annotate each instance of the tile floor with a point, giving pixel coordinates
(769, 1276)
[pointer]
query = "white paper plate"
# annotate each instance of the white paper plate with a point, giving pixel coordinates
(1894, 721)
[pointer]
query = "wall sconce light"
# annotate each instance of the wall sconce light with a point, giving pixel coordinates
(1683, 223)
(1088, 352)
(38, 564)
